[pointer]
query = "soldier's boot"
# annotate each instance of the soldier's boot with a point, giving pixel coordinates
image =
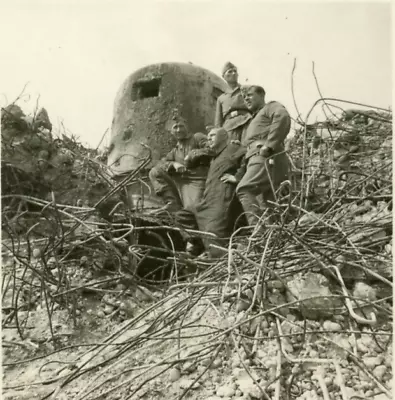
(171, 200)
(194, 247)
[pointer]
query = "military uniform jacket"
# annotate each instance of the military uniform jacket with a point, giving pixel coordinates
(231, 100)
(181, 150)
(214, 212)
(271, 125)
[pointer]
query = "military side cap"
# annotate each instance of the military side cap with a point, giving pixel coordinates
(228, 65)
(175, 117)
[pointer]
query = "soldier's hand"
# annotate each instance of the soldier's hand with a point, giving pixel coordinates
(228, 178)
(265, 151)
(179, 167)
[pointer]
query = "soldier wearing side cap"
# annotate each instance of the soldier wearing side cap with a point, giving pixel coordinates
(232, 112)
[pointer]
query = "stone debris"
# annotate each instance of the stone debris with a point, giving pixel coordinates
(314, 294)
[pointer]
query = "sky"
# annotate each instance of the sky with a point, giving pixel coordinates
(74, 55)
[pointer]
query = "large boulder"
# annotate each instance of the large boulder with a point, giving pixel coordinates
(316, 300)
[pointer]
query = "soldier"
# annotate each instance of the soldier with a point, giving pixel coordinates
(178, 186)
(219, 208)
(232, 113)
(266, 163)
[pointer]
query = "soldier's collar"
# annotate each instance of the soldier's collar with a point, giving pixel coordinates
(221, 149)
(230, 90)
(259, 109)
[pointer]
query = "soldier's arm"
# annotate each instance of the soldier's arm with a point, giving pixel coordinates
(201, 140)
(201, 154)
(280, 126)
(167, 161)
(241, 170)
(219, 119)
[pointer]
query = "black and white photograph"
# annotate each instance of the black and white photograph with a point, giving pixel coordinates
(196, 200)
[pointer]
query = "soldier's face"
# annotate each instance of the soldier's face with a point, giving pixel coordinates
(231, 75)
(179, 130)
(253, 99)
(216, 139)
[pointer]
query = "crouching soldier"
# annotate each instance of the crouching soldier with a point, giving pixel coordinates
(218, 210)
(178, 186)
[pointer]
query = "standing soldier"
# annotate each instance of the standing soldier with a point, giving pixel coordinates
(266, 163)
(232, 113)
(178, 186)
(219, 208)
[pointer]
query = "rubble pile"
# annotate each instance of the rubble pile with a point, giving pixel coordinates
(37, 163)
(348, 156)
(300, 310)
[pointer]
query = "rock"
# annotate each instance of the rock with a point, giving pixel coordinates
(343, 341)
(84, 260)
(306, 285)
(275, 284)
(143, 294)
(217, 379)
(242, 305)
(328, 380)
(369, 393)
(365, 293)
(216, 363)
(189, 367)
(225, 391)
(246, 383)
(264, 324)
(313, 353)
(249, 293)
(388, 361)
(186, 383)
(237, 373)
(254, 392)
(249, 389)
(331, 326)
(372, 362)
(381, 396)
(36, 253)
(175, 374)
(379, 372)
(304, 385)
(287, 345)
(361, 346)
(368, 341)
(365, 385)
(290, 317)
(277, 299)
(351, 392)
(108, 309)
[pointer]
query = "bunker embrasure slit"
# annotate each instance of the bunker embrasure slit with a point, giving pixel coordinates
(144, 89)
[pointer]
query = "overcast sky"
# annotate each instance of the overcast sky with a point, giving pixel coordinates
(74, 55)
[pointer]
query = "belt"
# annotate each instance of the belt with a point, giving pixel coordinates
(235, 113)
(256, 145)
